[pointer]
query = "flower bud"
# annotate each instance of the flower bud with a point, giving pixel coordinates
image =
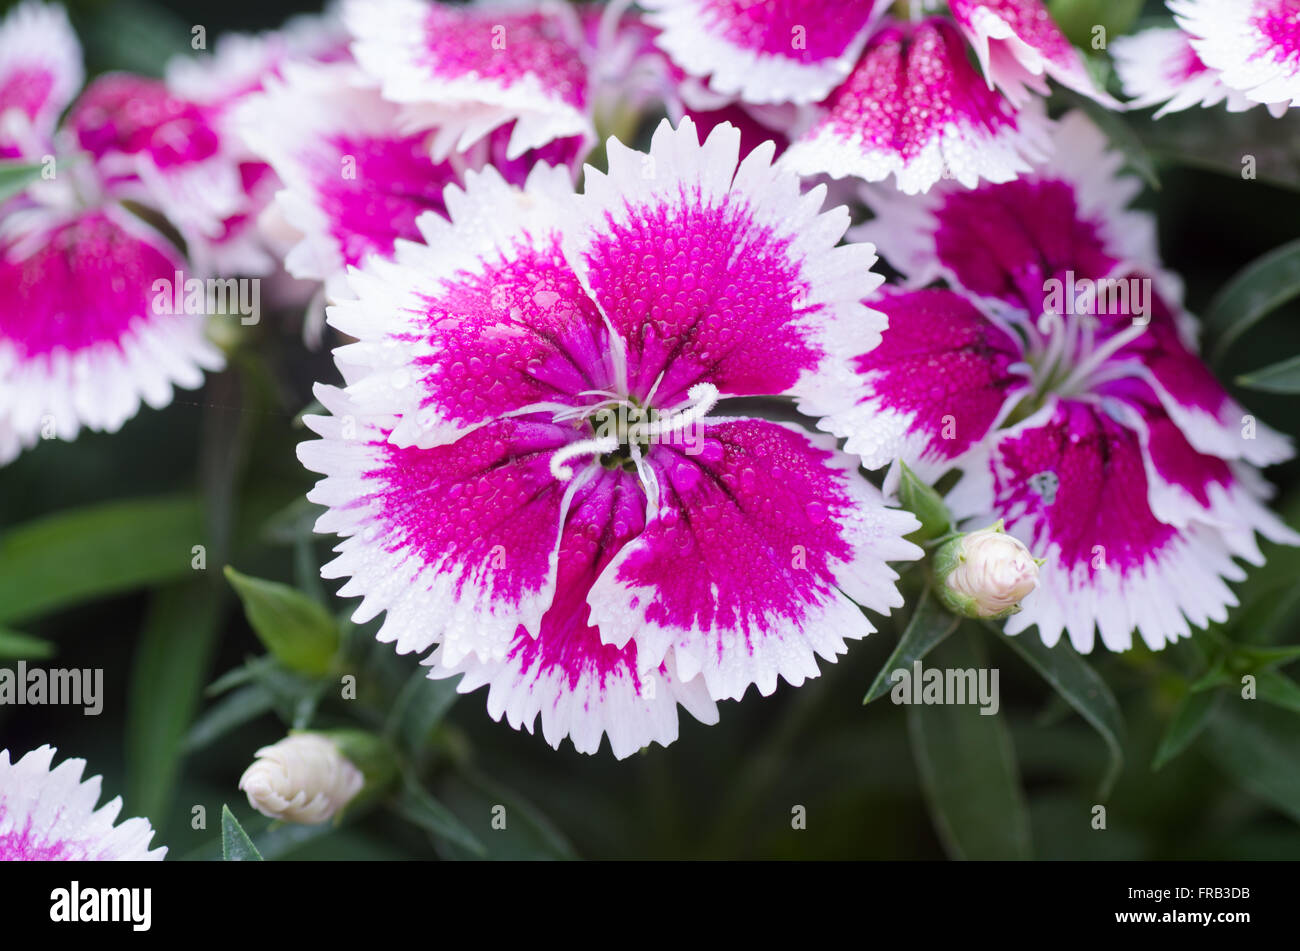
(303, 778)
(985, 574)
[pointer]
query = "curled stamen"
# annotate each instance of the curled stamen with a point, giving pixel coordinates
(586, 447)
(702, 398)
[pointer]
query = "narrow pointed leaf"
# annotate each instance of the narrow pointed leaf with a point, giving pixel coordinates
(1081, 686)
(968, 770)
(929, 626)
(236, 846)
(1188, 721)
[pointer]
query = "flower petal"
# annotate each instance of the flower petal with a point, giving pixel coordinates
(40, 72)
(914, 107)
(483, 320)
(776, 51)
(1160, 65)
(1164, 355)
(1187, 485)
(1253, 44)
(1071, 482)
(1004, 242)
(84, 332)
(754, 548)
(48, 814)
(1018, 45)
(942, 379)
(153, 146)
(730, 276)
(457, 542)
(582, 687)
(353, 182)
(465, 70)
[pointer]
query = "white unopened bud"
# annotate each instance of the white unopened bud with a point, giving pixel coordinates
(303, 778)
(985, 574)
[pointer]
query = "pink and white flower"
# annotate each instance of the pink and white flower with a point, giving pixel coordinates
(354, 179)
(783, 51)
(40, 72)
(1019, 46)
(1253, 46)
(238, 68)
(152, 146)
(525, 469)
(887, 97)
(464, 71)
(1160, 66)
(48, 814)
(352, 182)
(1080, 415)
(81, 342)
(914, 108)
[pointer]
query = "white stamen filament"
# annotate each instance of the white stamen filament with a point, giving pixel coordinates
(607, 29)
(586, 447)
(1098, 357)
(703, 397)
(582, 412)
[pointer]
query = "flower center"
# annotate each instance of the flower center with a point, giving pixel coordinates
(1071, 357)
(622, 428)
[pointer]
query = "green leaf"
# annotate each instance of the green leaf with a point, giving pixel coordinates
(1252, 294)
(1081, 686)
(1259, 747)
(416, 806)
(928, 627)
(65, 559)
(292, 523)
(254, 669)
(925, 503)
(171, 664)
(528, 835)
(1282, 377)
(294, 628)
(968, 770)
(1216, 676)
(418, 709)
(230, 712)
(15, 176)
(1078, 18)
(1188, 721)
(1259, 658)
(1278, 689)
(1213, 140)
(15, 646)
(236, 846)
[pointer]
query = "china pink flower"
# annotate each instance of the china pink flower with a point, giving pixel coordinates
(81, 342)
(1159, 66)
(354, 179)
(887, 97)
(48, 814)
(231, 241)
(1253, 45)
(40, 72)
(1242, 52)
(548, 70)
(526, 468)
(1058, 373)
